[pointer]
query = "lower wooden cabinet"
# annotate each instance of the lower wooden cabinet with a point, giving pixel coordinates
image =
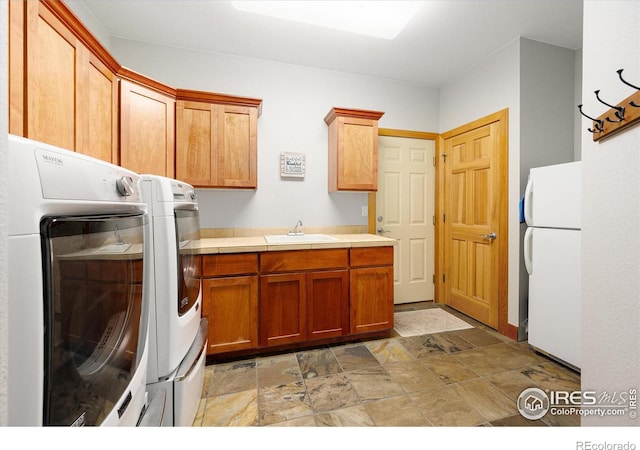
(230, 301)
(298, 307)
(264, 300)
(282, 309)
(327, 304)
(371, 289)
(370, 292)
(231, 307)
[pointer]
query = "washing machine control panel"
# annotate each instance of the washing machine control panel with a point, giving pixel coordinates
(183, 192)
(67, 175)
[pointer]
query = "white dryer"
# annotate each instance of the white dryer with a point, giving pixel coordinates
(77, 328)
(177, 331)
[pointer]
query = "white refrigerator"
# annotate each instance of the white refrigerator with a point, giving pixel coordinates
(552, 257)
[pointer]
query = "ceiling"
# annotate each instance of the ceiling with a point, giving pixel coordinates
(443, 40)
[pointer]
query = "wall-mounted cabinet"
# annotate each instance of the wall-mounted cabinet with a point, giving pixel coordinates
(353, 149)
(147, 130)
(216, 143)
(66, 89)
(60, 90)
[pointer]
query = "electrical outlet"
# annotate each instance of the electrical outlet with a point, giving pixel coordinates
(365, 211)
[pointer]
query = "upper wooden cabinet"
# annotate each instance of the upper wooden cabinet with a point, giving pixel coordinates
(66, 89)
(61, 92)
(147, 133)
(353, 149)
(216, 143)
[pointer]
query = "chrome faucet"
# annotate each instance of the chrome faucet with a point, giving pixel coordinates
(296, 230)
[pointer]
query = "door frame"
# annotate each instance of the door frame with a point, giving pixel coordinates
(502, 117)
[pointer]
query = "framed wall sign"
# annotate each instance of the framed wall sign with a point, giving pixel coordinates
(292, 164)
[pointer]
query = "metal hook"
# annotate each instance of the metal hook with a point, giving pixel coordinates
(599, 127)
(632, 103)
(619, 109)
(619, 72)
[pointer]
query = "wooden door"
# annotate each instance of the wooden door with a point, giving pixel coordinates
(405, 203)
(282, 309)
(147, 130)
(475, 222)
(327, 304)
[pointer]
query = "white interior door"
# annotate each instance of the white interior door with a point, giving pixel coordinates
(404, 211)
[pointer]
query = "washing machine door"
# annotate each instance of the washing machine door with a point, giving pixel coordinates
(94, 325)
(187, 222)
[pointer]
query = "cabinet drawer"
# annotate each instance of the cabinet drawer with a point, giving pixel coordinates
(294, 260)
(233, 264)
(371, 256)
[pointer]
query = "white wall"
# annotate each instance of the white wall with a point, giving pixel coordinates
(4, 226)
(295, 101)
(491, 86)
(535, 81)
(548, 123)
(610, 209)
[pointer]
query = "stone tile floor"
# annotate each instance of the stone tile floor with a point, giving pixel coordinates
(469, 377)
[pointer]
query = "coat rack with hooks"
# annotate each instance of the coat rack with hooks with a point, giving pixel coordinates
(618, 117)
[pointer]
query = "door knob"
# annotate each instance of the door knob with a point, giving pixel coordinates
(382, 230)
(490, 237)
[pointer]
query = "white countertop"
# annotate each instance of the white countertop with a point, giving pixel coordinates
(259, 244)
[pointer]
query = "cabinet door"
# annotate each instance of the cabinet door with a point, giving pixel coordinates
(196, 123)
(231, 306)
(282, 309)
(60, 91)
(146, 130)
(98, 110)
(371, 292)
(327, 304)
(216, 144)
(237, 146)
(52, 55)
(357, 154)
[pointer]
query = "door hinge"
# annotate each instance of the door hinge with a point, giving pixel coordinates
(434, 161)
(444, 217)
(434, 220)
(444, 278)
(434, 278)
(444, 157)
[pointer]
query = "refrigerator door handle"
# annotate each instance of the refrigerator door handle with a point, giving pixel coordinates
(528, 247)
(528, 197)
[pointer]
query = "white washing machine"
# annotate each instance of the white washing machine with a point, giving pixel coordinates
(77, 309)
(177, 330)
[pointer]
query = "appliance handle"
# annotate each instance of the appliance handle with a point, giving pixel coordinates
(528, 243)
(528, 198)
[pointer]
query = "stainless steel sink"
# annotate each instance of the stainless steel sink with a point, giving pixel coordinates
(298, 239)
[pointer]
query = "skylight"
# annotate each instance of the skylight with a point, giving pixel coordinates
(381, 19)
